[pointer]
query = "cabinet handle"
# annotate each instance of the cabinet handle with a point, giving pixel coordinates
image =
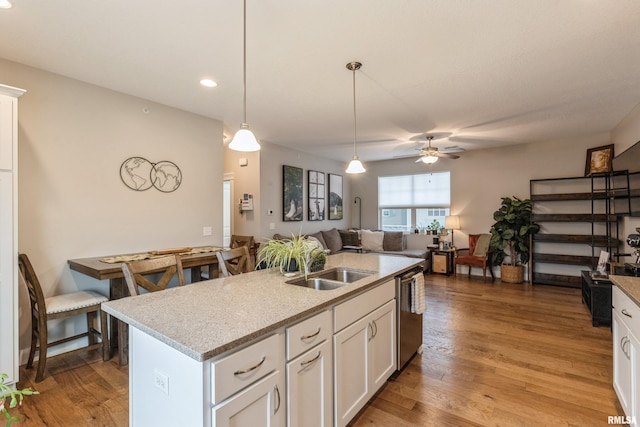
(253, 368)
(308, 362)
(306, 337)
(370, 326)
(277, 393)
(376, 326)
(624, 341)
(626, 313)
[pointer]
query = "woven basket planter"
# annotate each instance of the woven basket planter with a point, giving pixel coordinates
(512, 273)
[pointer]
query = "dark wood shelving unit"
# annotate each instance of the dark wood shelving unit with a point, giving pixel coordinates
(588, 207)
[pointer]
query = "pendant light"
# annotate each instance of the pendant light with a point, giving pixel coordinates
(355, 165)
(244, 139)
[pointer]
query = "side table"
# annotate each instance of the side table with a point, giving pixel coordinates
(442, 261)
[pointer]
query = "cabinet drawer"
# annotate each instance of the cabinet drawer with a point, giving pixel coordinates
(631, 313)
(242, 368)
(308, 333)
(363, 304)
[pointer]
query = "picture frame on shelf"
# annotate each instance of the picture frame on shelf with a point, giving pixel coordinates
(335, 197)
(292, 193)
(316, 195)
(599, 160)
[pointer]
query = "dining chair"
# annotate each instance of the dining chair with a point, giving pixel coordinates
(234, 261)
(60, 307)
(248, 241)
(141, 274)
(477, 255)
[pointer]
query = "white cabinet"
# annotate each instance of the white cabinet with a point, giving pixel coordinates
(364, 351)
(626, 352)
(9, 360)
(259, 405)
(309, 388)
(310, 372)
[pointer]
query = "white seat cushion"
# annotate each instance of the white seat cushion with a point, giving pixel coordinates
(73, 301)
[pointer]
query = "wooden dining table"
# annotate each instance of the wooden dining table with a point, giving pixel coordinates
(98, 269)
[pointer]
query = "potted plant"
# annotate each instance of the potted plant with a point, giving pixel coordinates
(290, 255)
(434, 226)
(15, 398)
(510, 238)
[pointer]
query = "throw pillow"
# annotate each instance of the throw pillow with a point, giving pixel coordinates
(483, 245)
(332, 240)
(392, 241)
(372, 240)
(320, 239)
(349, 238)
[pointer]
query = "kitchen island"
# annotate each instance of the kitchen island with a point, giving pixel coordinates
(185, 343)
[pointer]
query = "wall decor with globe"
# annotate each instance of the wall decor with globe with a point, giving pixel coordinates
(140, 174)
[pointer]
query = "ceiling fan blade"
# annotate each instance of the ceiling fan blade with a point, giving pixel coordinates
(449, 155)
(453, 149)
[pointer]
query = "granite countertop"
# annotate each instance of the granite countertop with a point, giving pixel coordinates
(630, 285)
(205, 319)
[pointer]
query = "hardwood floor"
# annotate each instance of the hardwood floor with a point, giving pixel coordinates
(495, 355)
(498, 354)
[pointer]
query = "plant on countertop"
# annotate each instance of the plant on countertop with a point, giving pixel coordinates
(511, 231)
(15, 398)
(298, 253)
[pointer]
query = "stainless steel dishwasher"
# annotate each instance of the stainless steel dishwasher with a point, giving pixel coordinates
(408, 324)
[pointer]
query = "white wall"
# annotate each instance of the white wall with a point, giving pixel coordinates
(480, 178)
(263, 178)
(627, 132)
(73, 137)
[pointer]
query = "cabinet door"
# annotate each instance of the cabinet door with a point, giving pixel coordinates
(621, 362)
(261, 404)
(6, 131)
(8, 290)
(634, 350)
(382, 353)
(310, 388)
(351, 380)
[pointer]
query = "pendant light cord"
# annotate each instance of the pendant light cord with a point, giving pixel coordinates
(355, 127)
(244, 62)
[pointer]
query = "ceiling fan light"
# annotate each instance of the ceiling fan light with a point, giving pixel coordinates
(244, 140)
(355, 166)
(429, 159)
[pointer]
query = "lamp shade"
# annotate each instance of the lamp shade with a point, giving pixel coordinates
(452, 222)
(244, 140)
(355, 166)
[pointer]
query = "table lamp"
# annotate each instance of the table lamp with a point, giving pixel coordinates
(452, 222)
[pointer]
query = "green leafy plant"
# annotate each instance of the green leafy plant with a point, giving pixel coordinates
(288, 255)
(435, 225)
(511, 231)
(15, 398)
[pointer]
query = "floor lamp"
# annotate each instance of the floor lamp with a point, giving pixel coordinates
(452, 222)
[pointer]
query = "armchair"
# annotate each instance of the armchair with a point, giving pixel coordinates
(477, 255)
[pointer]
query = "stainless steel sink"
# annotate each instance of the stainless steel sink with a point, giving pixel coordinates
(342, 274)
(331, 279)
(317, 283)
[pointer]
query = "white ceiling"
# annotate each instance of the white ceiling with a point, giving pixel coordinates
(491, 72)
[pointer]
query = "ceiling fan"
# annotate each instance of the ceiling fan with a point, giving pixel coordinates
(431, 154)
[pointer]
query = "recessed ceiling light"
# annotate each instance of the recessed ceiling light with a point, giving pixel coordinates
(204, 82)
(5, 4)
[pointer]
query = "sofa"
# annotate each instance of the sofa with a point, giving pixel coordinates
(381, 242)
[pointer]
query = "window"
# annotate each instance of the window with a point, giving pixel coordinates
(409, 201)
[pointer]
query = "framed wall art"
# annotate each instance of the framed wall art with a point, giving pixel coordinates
(599, 159)
(335, 196)
(292, 193)
(316, 194)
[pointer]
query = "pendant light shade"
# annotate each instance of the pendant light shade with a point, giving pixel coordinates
(244, 139)
(355, 166)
